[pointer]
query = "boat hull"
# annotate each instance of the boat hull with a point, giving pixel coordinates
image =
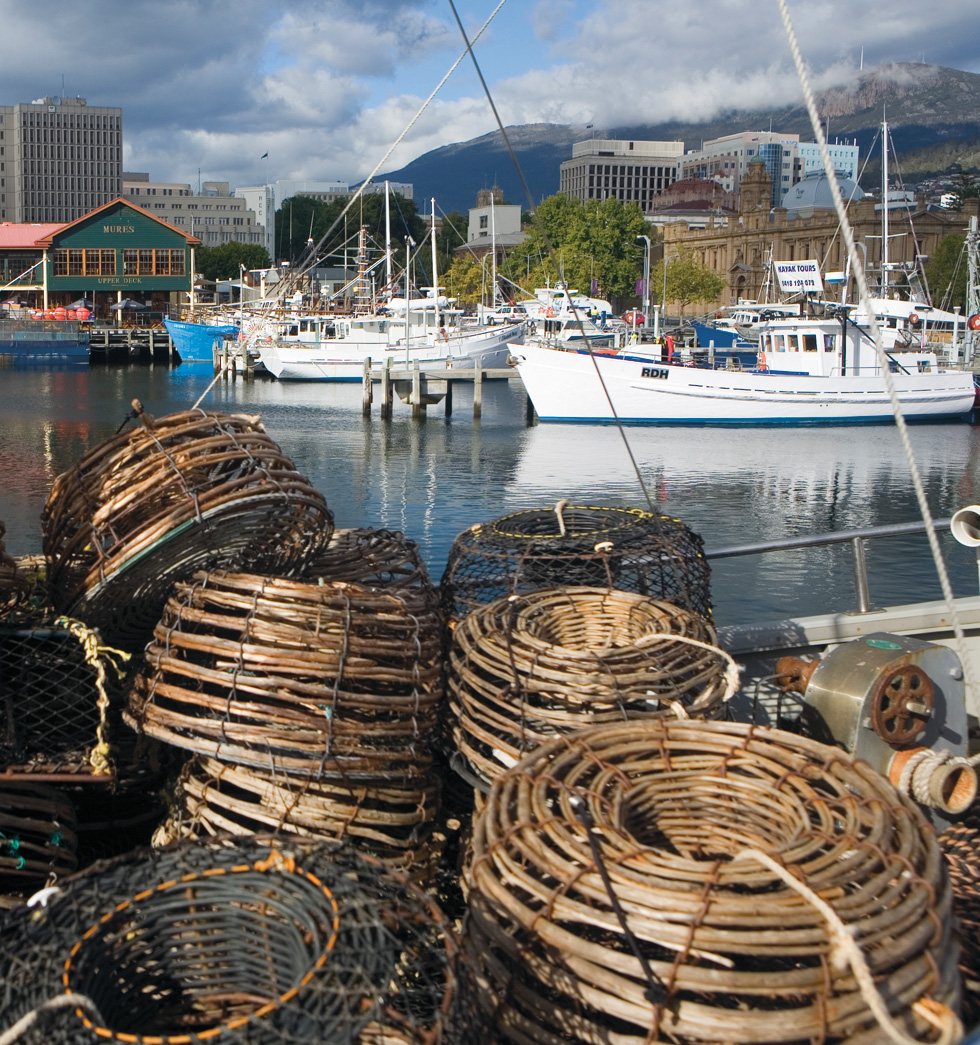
(195, 342)
(343, 360)
(565, 386)
(43, 341)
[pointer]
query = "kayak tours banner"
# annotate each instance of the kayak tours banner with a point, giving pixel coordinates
(799, 276)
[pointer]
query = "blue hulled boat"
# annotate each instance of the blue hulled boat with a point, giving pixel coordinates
(195, 342)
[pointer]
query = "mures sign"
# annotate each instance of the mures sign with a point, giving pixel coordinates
(798, 277)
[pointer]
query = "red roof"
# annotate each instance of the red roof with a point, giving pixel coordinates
(23, 237)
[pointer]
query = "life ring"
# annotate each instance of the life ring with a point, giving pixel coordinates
(550, 313)
(761, 363)
(974, 321)
(914, 319)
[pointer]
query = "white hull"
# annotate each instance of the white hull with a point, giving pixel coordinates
(564, 386)
(343, 359)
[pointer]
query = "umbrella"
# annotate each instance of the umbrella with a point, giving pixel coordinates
(81, 303)
(129, 303)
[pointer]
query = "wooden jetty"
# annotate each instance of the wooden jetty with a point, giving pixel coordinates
(421, 389)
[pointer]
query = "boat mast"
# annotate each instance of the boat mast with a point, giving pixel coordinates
(493, 247)
(435, 274)
(884, 209)
(972, 286)
(387, 242)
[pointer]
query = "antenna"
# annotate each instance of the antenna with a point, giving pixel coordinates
(862, 58)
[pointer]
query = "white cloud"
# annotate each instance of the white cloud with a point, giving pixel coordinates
(325, 86)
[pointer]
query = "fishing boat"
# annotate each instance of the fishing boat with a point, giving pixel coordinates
(809, 371)
(197, 342)
(335, 346)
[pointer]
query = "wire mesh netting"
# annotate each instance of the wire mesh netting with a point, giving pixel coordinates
(527, 668)
(51, 714)
(233, 941)
(616, 893)
(571, 545)
(190, 491)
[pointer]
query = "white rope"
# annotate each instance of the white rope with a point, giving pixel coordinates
(926, 773)
(843, 947)
(865, 295)
(60, 1001)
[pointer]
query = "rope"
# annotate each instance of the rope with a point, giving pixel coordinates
(865, 296)
(919, 779)
(61, 1001)
(96, 656)
(844, 948)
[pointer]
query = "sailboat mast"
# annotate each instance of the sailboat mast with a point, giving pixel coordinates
(884, 209)
(435, 272)
(493, 247)
(387, 242)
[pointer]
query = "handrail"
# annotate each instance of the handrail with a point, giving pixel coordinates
(855, 538)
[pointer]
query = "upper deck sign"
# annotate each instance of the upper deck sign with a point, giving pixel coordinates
(798, 276)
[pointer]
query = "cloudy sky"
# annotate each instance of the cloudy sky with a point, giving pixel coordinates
(326, 87)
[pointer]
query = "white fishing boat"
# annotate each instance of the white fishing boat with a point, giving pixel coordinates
(809, 371)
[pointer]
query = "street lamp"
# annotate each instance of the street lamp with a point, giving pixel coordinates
(646, 278)
(663, 298)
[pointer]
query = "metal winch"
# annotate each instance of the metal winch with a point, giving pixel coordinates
(898, 703)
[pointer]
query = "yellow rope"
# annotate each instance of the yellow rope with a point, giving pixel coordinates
(97, 656)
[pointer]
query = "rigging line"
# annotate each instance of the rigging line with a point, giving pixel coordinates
(400, 138)
(865, 297)
(576, 312)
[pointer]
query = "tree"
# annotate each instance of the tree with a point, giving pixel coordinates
(688, 280)
(581, 243)
(227, 261)
(467, 280)
(946, 272)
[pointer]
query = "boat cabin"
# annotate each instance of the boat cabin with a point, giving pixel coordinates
(824, 347)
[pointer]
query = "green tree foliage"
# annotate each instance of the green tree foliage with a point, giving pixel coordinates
(226, 261)
(946, 272)
(302, 222)
(688, 281)
(596, 240)
(467, 280)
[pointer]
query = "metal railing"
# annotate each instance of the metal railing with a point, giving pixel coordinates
(855, 538)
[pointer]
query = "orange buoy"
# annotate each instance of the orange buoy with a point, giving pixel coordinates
(974, 321)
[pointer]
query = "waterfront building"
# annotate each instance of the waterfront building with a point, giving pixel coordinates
(212, 213)
(806, 228)
(629, 171)
(115, 251)
(59, 158)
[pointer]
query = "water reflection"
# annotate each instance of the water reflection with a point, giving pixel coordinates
(434, 479)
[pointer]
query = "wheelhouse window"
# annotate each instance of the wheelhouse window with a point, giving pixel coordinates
(809, 342)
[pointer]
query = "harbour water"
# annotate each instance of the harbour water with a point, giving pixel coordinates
(435, 478)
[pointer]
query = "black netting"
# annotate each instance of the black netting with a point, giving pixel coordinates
(623, 548)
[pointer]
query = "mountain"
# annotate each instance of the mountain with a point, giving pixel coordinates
(927, 107)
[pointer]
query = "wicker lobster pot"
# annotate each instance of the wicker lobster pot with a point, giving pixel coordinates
(571, 545)
(190, 491)
(375, 558)
(531, 667)
(234, 942)
(331, 680)
(680, 817)
(394, 822)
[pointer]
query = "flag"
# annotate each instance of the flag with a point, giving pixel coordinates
(263, 156)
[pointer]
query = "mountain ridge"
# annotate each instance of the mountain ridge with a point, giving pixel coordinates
(926, 107)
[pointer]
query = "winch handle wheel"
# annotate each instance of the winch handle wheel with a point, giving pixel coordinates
(901, 704)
